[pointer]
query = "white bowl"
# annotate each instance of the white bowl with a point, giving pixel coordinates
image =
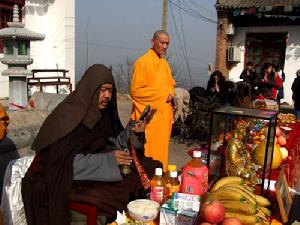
(143, 210)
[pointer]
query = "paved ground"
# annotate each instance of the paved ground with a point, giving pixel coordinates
(177, 152)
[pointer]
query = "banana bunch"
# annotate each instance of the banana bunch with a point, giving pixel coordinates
(239, 201)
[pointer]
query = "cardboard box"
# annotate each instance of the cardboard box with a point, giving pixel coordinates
(182, 201)
(169, 216)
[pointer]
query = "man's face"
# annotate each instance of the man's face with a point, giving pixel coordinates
(105, 95)
(160, 45)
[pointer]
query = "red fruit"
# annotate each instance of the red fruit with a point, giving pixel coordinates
(205, 223)
(278, 132)
(213, 212)
(232, 221)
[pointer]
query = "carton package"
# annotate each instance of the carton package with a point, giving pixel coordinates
(169, 216)
(183, 201)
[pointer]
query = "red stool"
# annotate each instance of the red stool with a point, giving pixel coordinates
(88, 210)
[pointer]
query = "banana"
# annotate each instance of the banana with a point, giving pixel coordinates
(241, 187)
(262, 201)
(239, 207)
(266, 211)
(261, 216)
(227, 180)
(245, 219)
(225, 194)
(247, 197)
(250, 189)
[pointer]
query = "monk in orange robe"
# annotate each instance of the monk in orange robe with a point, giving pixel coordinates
(152, 84)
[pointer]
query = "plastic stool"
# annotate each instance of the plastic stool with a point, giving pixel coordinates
(88, 210)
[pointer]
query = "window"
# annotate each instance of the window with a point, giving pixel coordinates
(9, 48)
(22, 48)
(5, 15)
(265, 47)
(6, 12)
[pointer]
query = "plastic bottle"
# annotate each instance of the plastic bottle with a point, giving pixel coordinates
(171, 167)
(172, 185)
(195, 176)
(158, 187)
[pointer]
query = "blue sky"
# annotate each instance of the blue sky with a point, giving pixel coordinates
(116, 29)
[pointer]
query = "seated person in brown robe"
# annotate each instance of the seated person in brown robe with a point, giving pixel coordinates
(76, 159)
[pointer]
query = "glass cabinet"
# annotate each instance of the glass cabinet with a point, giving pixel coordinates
(241, 143)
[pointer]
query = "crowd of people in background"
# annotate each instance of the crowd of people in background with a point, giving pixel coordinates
(267, 85)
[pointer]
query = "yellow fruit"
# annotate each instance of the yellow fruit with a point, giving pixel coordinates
(227, 180)
(225, 194)
(262, 201)
(239, 207)
(248, 198)
(259, 155)
(284, 153)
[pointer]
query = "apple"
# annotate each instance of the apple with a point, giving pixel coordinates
(232, 221)
(212, 212)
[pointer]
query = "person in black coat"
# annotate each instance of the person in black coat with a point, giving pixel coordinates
(296, 94)
(216, 86)
(249, 76)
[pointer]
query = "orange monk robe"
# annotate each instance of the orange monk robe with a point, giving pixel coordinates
(151, 83)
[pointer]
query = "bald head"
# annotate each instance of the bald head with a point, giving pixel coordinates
(160, 43)
(159, 32)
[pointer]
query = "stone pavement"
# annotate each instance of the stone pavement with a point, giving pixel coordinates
(177, 152)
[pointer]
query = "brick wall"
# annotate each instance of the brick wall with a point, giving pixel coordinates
(222, 43)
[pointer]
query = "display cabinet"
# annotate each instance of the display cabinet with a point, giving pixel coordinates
(241, 143)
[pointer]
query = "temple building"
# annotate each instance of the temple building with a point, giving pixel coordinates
(259, 31)
(53, 18)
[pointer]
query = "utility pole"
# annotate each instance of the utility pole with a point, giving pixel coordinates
(165, 15)
(87, 41)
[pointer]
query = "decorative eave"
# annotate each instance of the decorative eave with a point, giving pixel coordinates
(244, 4)
(19, 72)
(20, 33)
(256, 11)
(16, 30)
(16, 61)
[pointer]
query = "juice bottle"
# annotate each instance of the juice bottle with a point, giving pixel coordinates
(172, 185)
(171, 167)
(158, 187)
(195, 176)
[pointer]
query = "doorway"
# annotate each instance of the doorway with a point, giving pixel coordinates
(265, 47)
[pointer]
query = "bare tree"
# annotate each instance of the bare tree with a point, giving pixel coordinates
(123, 73)
(179, 72)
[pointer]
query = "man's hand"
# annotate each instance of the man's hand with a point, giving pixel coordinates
(122, 157)
(140, 126)
(169, 98)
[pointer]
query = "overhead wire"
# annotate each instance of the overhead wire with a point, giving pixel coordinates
(184, 47)
(179, 64)
(177, 34)
(203, 9)
(192, 12)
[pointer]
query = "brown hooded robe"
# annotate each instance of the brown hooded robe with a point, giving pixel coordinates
(76, 126)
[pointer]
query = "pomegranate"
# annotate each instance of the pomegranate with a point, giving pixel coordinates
(213, 212)
(232, 221)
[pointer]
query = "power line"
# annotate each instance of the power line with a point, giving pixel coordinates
(191, 12)
(203, 9)
(184, 47)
